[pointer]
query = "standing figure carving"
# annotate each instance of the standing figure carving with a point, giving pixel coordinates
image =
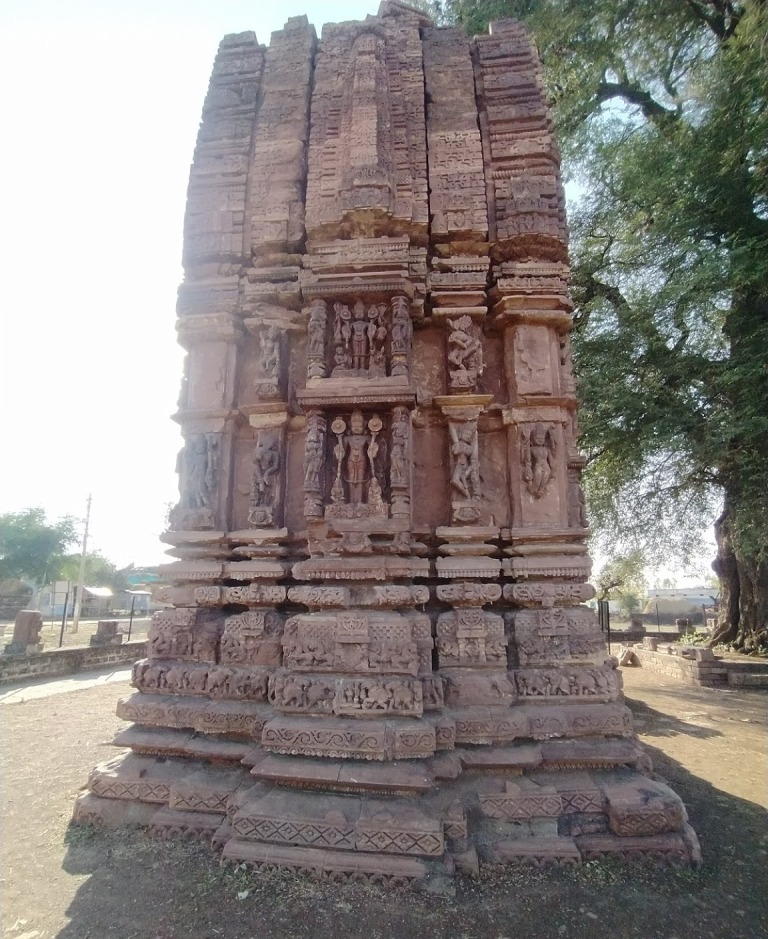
(356, 444)
(538, 450)
(196, 466)
(314, 451)
(266, 464)
(318, 321)
(577, 507)
(360, 457)
(359, 340)
(269, 364)
(465, 475)
(402, 332)
(398, 460)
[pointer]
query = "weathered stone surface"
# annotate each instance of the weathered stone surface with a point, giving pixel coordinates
(538, 851)
(26, 633)
(375, 621)
(328, 864)
(665, 848)
(638, 807)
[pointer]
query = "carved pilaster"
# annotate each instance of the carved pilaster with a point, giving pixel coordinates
(314, 469)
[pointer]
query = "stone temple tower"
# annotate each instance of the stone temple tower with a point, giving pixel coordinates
(376, 659)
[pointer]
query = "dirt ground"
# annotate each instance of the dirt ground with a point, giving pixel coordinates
(85, 883)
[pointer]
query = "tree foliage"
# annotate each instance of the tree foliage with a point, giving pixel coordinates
(662, 111)
(622, 578)
(99, 571)
(32, 549)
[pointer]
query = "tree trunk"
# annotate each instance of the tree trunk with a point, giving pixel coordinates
(743, 614)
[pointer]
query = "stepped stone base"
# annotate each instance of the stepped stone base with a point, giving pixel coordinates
(403, 822)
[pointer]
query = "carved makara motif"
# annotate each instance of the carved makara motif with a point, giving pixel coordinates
(264, 478)
(547, 595)
(538, 452)
(465, 354)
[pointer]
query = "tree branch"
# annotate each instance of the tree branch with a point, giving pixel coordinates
(633, 94)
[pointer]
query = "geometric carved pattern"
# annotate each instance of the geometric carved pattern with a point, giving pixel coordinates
(288, 832)
(141, 791)
(517, 804)
(400, 842)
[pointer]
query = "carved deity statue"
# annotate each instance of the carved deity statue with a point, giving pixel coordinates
(401, 336)
(356, 464)
(196, 466)
(538, 450)
(359, 340)
(269, 361)
(465, 353)
(313, 451)
(398, 459)
(316, 326)
(266, 464)
(577, 507)
(465, 470)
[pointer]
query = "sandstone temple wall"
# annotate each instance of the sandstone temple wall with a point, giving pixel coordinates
(377, 659)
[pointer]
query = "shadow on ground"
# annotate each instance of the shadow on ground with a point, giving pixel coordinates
(655, 723)
(139, 888)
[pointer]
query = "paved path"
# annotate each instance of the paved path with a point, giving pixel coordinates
(18, 692)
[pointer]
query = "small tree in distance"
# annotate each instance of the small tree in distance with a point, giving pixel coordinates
(32, 549)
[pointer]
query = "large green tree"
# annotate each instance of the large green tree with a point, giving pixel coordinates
(662, 112)
(32, 549)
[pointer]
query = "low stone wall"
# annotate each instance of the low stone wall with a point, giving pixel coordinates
(706, 672)
(59, 662)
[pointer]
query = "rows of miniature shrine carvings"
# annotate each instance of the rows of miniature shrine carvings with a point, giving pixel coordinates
(379, 661)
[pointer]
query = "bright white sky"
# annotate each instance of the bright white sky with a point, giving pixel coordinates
(100, 104)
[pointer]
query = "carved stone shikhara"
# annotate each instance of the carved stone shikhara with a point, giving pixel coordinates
(377, 660)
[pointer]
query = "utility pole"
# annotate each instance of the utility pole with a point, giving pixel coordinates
(81, 575)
